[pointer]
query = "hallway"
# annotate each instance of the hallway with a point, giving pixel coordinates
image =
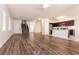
(37, 44)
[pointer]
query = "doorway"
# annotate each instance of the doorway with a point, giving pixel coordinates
(38, 27)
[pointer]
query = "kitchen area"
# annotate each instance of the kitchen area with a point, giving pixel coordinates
(63, 29)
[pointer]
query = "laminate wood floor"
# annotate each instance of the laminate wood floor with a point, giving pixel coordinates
(37, 44)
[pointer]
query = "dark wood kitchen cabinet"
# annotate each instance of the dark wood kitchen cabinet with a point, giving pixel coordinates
(64, 23)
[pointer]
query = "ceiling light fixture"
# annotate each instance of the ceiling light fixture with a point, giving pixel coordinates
(46, 5)
(61, 17)
(39, 18)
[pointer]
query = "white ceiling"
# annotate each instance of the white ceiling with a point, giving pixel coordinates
(34, 11)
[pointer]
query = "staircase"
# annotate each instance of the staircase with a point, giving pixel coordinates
(24, 27)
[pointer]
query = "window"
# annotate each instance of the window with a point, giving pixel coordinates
(9, 24)
(4, 21)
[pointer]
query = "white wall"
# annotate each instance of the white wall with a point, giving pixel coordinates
(31, 26)
(17, 26)
(6, 25)
(76, 30)
(1, 18)
(45, 26)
